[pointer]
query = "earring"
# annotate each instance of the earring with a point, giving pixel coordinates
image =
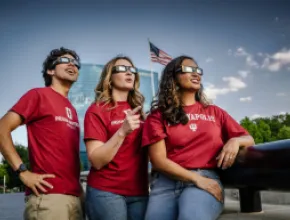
(110, 86)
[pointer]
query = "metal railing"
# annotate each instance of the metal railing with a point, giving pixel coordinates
(261, 167)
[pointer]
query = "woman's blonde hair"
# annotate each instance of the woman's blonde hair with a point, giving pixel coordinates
(103, 90)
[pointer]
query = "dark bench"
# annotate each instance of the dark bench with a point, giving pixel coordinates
(261, 167)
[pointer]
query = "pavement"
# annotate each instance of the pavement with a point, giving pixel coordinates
(270, 212)
(12, 206)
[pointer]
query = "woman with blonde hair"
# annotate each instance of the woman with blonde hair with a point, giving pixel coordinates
(118, 179)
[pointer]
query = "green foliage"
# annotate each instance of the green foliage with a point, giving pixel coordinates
(3, 172)
(12, 180)
(267, 129)
(284, 133)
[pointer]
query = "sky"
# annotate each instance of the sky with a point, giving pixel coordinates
(243, 46)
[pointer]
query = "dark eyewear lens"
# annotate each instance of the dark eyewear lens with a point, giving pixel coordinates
(67, 60)
(190, 69)
(120, 69)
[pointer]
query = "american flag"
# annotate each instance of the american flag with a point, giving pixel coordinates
(159, 56)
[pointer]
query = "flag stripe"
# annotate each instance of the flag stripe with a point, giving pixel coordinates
(159, 56)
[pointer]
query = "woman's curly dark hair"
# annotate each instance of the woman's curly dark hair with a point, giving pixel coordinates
(168, 98)
(52, 56)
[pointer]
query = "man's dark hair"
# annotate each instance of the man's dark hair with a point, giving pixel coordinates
(48, 62)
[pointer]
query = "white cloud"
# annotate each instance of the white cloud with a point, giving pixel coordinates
(212, 92)
(280, 94)
(208, 60)
(233, 85)
(246, 99)
(243, 73)
(274, 67)
(250, 61)
(255, 116)
(260, 54)
(273, 62)
(283, 55)
(241, 52)
(277, 60)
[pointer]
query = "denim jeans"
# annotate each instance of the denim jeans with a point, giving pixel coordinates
(171, 200)
(102, 205)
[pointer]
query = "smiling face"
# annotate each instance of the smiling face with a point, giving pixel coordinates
(123, 80)
(65, 72)
(188, 81)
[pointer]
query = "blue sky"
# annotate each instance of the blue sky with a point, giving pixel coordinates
(243, 46)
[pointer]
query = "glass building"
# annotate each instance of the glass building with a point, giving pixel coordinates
(82, 95)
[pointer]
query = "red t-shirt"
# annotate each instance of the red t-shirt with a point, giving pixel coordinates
(196, 144)
(53, 138)
(127, 173)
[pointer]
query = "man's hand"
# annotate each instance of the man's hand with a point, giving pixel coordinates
(35, 181)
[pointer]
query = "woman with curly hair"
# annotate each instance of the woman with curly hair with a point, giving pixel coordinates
(188, 140)
(118, 179)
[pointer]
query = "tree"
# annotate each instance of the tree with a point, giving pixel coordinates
(265, 131)
(252, 128)
(287, 120)
(284, 133)
(249, 125)
(13, 179)
(3, 173)
(275, 126)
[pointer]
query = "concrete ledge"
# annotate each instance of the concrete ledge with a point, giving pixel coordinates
(270, 212)
(268, 197)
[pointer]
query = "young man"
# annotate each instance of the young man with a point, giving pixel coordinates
(53, 187)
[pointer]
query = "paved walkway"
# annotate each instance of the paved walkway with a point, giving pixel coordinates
(270, 212)
(12, 205)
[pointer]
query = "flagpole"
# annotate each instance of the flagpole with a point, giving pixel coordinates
(151, 72)
(4, 184)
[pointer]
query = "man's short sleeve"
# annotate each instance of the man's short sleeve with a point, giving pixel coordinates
(28, 106)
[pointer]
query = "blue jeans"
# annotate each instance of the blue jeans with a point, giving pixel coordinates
(102, 205)
(171, 200)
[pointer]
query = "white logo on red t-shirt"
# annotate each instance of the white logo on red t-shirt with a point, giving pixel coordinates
(70, 123)
(116, 122)
(68, 113)
(196, 117)
(193, 127)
